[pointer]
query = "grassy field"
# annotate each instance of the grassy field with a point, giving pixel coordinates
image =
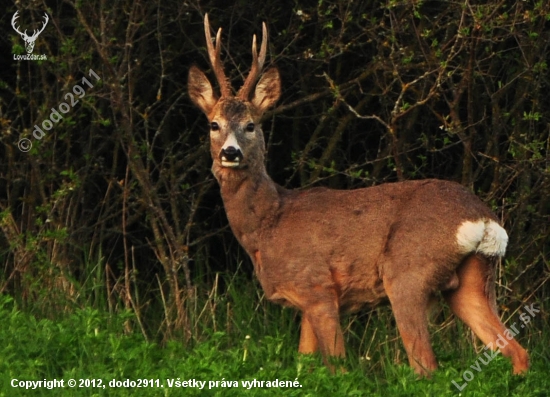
(243, 342)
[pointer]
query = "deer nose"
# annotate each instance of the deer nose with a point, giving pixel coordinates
(231, 153)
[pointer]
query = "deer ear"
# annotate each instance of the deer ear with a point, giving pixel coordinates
(200, 90)
(268, 90)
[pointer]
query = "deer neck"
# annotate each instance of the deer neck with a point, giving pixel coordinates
(251, 200)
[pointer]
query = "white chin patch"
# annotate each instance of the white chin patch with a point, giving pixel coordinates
(230, 164)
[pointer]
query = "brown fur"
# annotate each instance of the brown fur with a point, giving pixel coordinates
(328, 251)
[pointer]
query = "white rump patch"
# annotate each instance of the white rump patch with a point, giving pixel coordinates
(494, 241)
(483, 236)
(469, 235)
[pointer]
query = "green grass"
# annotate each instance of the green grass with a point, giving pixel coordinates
(253, 340)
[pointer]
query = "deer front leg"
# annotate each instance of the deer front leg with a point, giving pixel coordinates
(321, 330)
(308, 340)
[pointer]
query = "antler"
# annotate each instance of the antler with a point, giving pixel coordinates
(15, 16)
(46, 19)
(24, 34)
(214, 54)
(257, 65)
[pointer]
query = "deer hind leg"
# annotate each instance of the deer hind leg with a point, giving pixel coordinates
(474, 303)
(321, 330)
(410, 303)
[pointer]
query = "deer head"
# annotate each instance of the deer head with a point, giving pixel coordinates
(29, 40)
(236, 137)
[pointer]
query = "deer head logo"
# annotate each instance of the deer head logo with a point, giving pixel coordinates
(29, 40)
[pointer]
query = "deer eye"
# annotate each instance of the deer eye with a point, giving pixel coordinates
(250, 127)
(214, 126)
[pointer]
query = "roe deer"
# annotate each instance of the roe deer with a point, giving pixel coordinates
(328, 251)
